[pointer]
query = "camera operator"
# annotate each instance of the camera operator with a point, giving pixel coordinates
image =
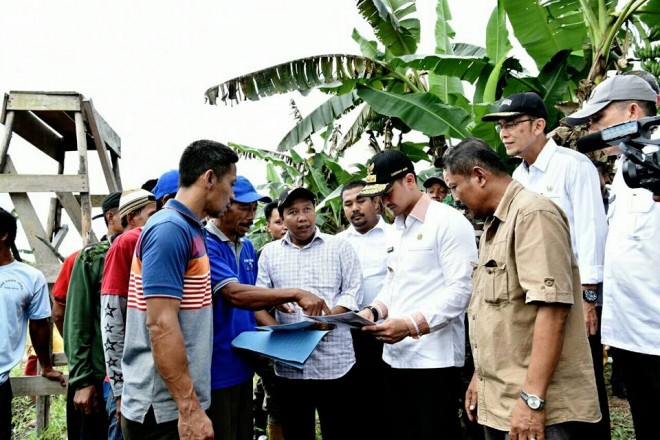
(631, 281)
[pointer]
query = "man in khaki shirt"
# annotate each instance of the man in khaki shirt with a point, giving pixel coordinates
(533, 371)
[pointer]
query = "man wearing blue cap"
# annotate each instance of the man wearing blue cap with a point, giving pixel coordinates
(166, 187)
(233, 275)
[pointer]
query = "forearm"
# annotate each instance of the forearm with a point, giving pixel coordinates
(58, 317)
(264, 318)
(169, 353)
(40, 337)
(339, 309)
(547, 343)
(113, 330)
(245, 296)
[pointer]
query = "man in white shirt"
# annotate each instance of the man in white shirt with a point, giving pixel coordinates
(423, 302)
(569, 179)
(370, 237)
(631, 285)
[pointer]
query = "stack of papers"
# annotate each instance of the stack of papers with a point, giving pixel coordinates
(290, 344)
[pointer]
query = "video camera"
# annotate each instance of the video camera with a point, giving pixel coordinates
(639, 141)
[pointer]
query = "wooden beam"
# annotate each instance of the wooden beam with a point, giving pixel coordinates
(30, 222)
(99, 141)
(36, 386)
(115, 168)
(37, 133)
(50, 270)
(59, 359)
(45, 101)
(85, 202)
(110, 137)
(72, 208)
(16, 183)
(6, 138)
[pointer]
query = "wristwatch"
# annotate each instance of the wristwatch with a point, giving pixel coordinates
(533, 401)
(590, 295)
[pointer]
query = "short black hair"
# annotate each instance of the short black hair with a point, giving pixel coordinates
(268, 210)
(472, 152)
(648, 107)
(351, 185)
(204, 155)
(8, 225)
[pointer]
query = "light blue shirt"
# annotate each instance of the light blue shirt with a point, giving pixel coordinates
(23, 297)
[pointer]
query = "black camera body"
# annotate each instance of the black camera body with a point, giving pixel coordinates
(639, 141)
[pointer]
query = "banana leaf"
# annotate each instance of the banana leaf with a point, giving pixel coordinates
(423, 112)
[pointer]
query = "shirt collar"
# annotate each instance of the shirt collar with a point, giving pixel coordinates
(380, 225)
(183, 210)
(286, 240)
(213, 229)
(502, 210)
(543, 159)
(418, 212)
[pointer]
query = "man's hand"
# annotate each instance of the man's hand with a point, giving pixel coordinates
(311, 304)
(390, 331)
(54, 375)
(471, 401)
(590, 317)
(85, 400)
(366, 314)
(527, 423)
(194, 424)
(118, 403)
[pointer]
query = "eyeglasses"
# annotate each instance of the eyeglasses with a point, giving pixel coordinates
(511, 124)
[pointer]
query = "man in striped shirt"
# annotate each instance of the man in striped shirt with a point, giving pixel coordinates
(169, 322)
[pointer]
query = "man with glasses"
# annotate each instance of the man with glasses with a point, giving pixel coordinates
(422, 304)
(631, 294)
(571, 181)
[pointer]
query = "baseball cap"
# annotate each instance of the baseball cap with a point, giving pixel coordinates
(526, 103)
(133, 199)
(291, 193)
(111, 201)
(168, 183)
(616, 88)
(383, 169)
(244, 192)
(437, 178)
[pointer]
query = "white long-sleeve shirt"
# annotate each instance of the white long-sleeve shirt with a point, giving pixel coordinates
(429, 281)
(631, 286)
(569, 179)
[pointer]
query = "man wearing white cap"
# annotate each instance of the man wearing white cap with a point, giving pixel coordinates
(135, 208)
(631, 282)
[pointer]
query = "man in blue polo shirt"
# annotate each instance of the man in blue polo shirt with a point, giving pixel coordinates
(233, 275)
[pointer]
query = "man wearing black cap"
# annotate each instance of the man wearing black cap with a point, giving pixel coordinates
(425, 294)
(327, 266)
(113, 223)
(436, 188)
(631, 279)
(83, 344)
(571, 181)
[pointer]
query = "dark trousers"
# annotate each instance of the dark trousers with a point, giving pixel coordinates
(149, 429)
(600, 430)
(369, 372)
(86, 427)
(641, 376)
(421, 404)
(5, 410)
(231, 412)
(335, 401)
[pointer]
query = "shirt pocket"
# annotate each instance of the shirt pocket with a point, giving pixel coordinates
(641, 221)
(495, 282)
